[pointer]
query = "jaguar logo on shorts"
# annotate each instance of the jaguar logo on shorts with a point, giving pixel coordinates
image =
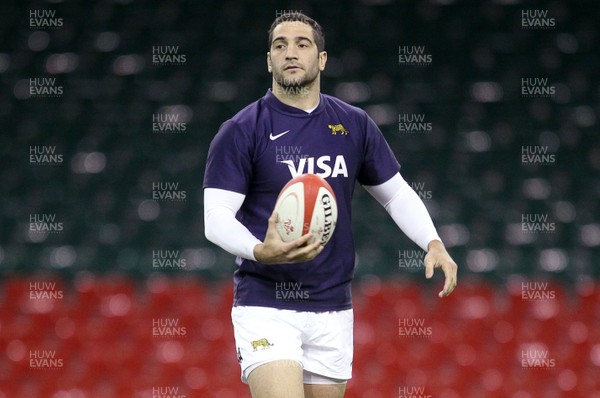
(264, 343)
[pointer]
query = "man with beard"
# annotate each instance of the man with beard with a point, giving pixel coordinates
(292, 311)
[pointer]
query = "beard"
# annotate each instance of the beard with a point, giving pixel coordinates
(296, 83)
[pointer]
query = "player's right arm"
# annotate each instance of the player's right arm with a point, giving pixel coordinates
(228, 175)
(223, 229)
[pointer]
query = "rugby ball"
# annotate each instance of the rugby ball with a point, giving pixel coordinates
(306, 204)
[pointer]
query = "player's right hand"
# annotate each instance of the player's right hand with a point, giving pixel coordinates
(275, 251)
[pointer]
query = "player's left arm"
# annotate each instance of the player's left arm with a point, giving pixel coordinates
(410, 214)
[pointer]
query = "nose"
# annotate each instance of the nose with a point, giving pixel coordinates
(291, 53)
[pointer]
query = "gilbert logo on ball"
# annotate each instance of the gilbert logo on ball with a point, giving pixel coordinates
(306, 204)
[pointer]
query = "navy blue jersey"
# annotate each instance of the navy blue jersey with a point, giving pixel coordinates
(258, 151)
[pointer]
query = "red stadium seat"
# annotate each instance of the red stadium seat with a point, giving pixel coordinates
(469, 345)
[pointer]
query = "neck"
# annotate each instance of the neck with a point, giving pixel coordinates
(305, 97)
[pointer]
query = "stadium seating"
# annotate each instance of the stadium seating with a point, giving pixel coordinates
(468, 345)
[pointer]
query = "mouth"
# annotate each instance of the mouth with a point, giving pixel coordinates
(292, 67)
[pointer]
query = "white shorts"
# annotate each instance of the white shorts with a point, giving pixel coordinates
(321, 342)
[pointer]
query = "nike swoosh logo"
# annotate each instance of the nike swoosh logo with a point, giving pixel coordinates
(274, 137)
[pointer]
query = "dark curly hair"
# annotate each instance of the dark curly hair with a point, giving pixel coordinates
(297, 16)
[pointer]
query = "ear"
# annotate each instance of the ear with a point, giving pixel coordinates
(322, 60)
(269, 67)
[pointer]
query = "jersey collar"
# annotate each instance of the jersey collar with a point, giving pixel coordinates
(279, 106)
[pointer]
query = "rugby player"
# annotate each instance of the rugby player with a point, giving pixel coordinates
(301, 345)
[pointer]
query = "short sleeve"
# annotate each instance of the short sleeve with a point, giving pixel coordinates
(379, 164)
(229, 160)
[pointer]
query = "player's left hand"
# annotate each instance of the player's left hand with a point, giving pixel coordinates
(438, 257)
